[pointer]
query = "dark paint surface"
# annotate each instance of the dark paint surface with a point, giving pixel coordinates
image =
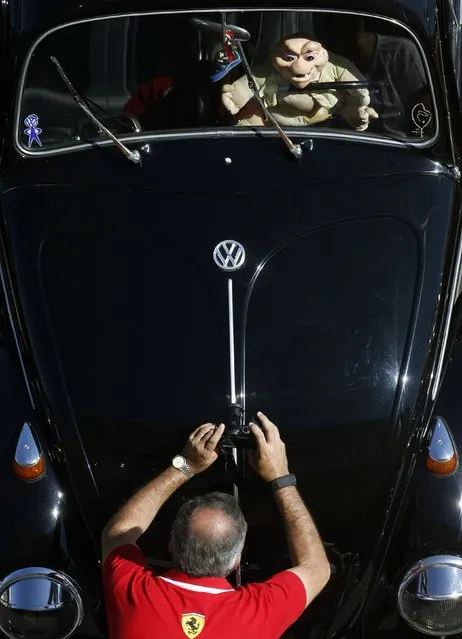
(419, 13)
(127, 316)
(125, 313)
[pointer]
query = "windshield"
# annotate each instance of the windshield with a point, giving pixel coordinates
(315, 72)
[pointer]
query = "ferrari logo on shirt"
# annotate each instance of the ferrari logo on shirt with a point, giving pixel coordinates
(192, 624)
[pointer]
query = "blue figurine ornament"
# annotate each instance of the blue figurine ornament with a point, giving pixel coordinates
(33, 130)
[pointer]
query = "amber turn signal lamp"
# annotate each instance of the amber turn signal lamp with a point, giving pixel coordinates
(442, 468)
(28, 462)
(442, 458)
(28, 473)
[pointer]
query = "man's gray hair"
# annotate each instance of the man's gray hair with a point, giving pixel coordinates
(204, 554)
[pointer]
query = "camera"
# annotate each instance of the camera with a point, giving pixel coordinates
(237, 434)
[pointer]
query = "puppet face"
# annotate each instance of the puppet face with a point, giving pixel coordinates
(299, 60)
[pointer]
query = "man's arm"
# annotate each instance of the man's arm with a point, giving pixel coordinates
(309, 560)
(305, 546)
(135, 517)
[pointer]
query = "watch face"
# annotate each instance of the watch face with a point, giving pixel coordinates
(178, 462)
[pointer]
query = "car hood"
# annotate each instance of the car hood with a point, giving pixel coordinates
(127, 315)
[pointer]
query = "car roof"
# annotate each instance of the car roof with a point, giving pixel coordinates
(35, 16)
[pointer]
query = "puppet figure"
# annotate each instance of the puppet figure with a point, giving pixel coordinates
(296, 63)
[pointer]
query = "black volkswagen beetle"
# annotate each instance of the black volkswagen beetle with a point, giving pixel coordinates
(168, 260)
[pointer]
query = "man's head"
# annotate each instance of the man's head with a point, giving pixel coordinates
(208, 536)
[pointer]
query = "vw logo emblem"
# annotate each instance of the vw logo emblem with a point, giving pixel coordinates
(229, 255)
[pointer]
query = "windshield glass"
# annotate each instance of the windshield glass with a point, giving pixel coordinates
(317, 72)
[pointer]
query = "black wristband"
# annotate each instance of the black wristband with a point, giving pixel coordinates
(283, 482)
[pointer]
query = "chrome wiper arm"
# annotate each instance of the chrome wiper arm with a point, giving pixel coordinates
(295, 149)
(133, 156)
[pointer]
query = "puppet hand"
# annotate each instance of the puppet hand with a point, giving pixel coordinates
(235, 96)
(303, 103)
(227, 97)
(200, 449)
(365, 114)
(358, 117)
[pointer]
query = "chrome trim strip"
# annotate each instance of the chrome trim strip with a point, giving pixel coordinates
(230, 132)
(233, 398)
(45, 597)
(27, 450)
(15, 334)
(232, 360)
(238, 569)
(25, 152)
(441, 447)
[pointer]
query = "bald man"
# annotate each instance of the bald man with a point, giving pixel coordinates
(207, 540)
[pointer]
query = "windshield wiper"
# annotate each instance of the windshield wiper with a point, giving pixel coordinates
(232, 38)
(133, 156)
(295, 149)
(335, 86)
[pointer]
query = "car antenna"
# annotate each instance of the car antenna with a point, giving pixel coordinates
(133, 156)
(231, 55)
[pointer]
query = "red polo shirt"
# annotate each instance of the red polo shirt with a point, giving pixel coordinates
(142, 605)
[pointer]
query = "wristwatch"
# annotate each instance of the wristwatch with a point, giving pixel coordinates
(283, 482)
(180, 463)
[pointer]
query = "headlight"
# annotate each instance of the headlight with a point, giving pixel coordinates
(430, 595)
(38, 602)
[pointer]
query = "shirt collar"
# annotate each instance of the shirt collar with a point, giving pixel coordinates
(198, 583)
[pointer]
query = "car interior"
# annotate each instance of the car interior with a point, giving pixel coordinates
(113, 61)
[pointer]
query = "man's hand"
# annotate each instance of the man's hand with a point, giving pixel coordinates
(200, 449)
(134, 518)
(270, 459)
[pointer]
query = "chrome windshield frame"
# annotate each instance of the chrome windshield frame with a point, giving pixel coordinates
(222, 132)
